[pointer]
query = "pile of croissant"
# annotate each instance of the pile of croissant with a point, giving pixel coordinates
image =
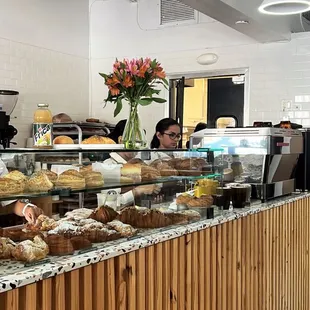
(80, 228)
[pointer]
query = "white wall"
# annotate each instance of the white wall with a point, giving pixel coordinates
(44, 54)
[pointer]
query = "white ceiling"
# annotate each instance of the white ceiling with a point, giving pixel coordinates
(263, 28)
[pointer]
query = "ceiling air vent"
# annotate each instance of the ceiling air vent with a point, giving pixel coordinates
(175, 12)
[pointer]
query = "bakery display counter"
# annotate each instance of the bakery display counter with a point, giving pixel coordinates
(252, 258)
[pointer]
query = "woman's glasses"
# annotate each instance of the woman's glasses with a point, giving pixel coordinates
(173, 135)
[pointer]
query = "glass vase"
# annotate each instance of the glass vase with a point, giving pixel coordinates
(134, 135)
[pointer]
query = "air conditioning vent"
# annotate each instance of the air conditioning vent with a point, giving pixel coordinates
(173, 11)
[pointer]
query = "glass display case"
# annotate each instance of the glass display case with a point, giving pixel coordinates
(100, 195)
(264, 157)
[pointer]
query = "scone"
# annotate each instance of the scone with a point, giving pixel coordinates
(72, 179)
(94, 179)
(39, 182)
(17, 176)
(98, 140)
(10, 187)
(52, 176)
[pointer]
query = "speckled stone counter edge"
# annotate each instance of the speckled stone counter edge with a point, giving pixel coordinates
(18, 277)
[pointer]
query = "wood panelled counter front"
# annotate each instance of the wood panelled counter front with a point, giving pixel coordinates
(257, 262)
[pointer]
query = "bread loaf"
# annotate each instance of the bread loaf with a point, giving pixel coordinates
(39, 182)
(63, 140)
(10, 187)
(72, 179)
(98, 140)
(94, 179)
(52, 176)
(131, 173)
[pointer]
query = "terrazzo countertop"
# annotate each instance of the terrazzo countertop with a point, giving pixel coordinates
(15, 274)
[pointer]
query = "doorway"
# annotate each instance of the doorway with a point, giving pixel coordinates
(218, 101)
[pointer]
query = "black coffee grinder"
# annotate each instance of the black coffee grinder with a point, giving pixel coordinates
(8, 100)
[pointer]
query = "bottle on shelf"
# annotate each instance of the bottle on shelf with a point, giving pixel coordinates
(43, 127)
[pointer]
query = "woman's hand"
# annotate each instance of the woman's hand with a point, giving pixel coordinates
(31, 213)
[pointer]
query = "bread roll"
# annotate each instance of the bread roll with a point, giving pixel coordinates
(98, 140)
(131, 173)
(63, 140)
(39, 182)
(10, 187)
(52, 176)
(17, 176)
(94, 179)
(72, 179)
(62, 118)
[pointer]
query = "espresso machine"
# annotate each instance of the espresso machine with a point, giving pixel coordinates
(266, 158)
(8, 100)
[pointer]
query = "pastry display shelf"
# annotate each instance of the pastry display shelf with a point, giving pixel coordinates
(65, 192)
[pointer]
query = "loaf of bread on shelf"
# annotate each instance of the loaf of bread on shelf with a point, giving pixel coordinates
(17, 176)
(31, 251)
(144, 218)
(39, 182)
(149, 173)
(62, 118)
(183, 199)
(164, 168)
(63, 140)
(104, 214)
(72, 179)
(93, 179)
(52, 176)
(6, 248)
(125, 230)
(10, 187)
(98, 140)
(86, 169)
(131, 173)
(59, 245)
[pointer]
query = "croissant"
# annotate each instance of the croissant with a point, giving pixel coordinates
(30, 251)
(6, 248)
(124, 229)
(104, 214)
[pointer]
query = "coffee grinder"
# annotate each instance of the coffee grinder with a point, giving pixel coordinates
(8, 100)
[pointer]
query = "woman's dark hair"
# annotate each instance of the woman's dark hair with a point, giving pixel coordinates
(200, 126)
(118, 130)
(161, 127)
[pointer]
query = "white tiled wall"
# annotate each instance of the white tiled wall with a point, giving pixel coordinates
(277, 71)
(41, 75)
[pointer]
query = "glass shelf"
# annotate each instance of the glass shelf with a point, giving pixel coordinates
(65, 192)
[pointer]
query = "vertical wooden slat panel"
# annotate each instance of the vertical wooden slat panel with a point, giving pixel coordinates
(59, 289)
(28, 297)
(188, 266)
(195, 271)
(219, 266)
(237, 243)
(232, 265)
(166, 276)
(201, 271)
(98, 284)
(149, 294)
(121, 276)
(11, 300)
(140, 258)
(207, 260)
(174, 267)
(159, 275)
(131, 285)
(224, 266)
(213, 269)
(110, 284)
(182, 271)
(86, 288)
(73, 289)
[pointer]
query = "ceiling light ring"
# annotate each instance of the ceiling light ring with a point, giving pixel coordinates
(305, 6)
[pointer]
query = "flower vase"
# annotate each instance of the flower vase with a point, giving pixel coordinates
(134, 135)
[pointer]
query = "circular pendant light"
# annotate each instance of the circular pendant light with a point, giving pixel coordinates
(284, 7)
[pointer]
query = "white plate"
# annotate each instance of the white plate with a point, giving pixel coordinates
(66, 146)
(102, 146)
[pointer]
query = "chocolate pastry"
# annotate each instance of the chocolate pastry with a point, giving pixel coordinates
(104, 214)
(59, 245)
(80, 243)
